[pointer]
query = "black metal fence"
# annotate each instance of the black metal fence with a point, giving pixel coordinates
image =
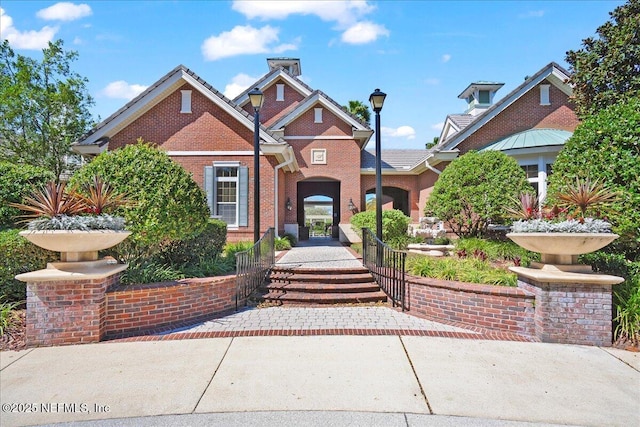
(253, 265)
(387, 267)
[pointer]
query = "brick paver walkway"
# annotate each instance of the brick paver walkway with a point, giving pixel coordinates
(320, 318)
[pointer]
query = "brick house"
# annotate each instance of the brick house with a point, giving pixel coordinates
(310, 146)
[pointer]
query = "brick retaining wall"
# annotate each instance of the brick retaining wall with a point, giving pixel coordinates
(133, 310)
(492, 307)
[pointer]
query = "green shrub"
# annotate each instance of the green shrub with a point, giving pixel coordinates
(17, 181)
(474, 189)
(291, 238)
(148, 271)
(19, 256)
(605, 148)
(207, 244)
(231, 249)
(472, 270)
(394, 226)
(167, 204)
(282, 244)
(8, 313)
(497, 250)
(626, 298)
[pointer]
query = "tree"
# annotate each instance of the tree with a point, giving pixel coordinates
(607, 69)
(17, 181)
(474, 190)
(44, 107)
(606, 147)
(167, 204)
(433, 143)
(360, 110)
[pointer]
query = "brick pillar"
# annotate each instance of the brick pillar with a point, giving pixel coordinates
(577, 313)
(66, 302)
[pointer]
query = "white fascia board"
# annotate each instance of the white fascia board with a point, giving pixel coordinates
(549, 149)
(372, 171)
(309, 103)
(487, 116)
(210, 153)
(558, 78)
(441, 156)
(304, 91)
(279, 151)
(90, 150)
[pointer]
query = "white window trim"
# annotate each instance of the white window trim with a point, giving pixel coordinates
(279, 92)
(185, 105)
(317, 115)
(235, 179)
(545, 98)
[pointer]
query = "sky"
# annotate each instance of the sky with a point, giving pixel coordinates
(422, 54)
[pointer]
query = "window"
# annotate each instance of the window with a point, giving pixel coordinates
(279, 92)
(227, 188)
(185, 107)
(549, 169)
(317, 115)
(484, 97)
(530, 170)
(544, 95)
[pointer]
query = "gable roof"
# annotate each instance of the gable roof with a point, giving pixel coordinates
(407, 161)
(158, 91)
(269, 79)
(551, 72)
(361, 131)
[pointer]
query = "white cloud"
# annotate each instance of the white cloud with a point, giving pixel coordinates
(64, 11)
(402, 132)
(364, 32)
(446, 58)
(347, 14)
(122, 90)
(243, 40)
(238, 84)
(33, 40)
(344, 13)
(438, 126)
(532, 14)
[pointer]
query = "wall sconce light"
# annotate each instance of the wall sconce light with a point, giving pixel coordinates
(351, 206)
(288, 204)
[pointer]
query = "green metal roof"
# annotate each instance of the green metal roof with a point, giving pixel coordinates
(529, 139)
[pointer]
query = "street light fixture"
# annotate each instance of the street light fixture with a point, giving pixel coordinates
(377, 100)
(257, 98)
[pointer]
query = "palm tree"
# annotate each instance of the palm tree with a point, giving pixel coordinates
(360, 110)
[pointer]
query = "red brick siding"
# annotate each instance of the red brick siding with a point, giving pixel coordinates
(491, 307)
(408, 183)
(272, 109)
(134, 310)
(572, 313)
(343, 160)
(66, 312)
(525, 113)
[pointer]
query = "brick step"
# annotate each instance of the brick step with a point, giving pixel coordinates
(325, 298)
(318, 271)
(313, 277)
(316, 288)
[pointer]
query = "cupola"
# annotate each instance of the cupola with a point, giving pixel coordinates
(479, 96)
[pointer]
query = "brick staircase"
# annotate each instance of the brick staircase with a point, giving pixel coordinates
(310, 286)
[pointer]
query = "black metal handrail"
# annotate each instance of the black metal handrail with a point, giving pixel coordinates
(387, 267)
(253, 266)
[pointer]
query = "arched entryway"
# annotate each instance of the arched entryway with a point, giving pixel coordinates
(323, 187)
(392, 197)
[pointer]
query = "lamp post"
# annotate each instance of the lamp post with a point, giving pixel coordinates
(377, 100)
(256, 97)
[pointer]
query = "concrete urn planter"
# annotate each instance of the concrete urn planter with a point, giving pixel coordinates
(75, 245)
(562, 248)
